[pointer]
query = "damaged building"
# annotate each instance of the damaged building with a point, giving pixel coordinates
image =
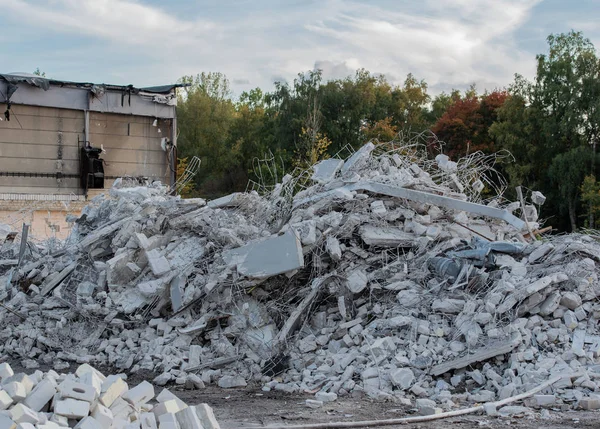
(385, 275)
(63, 142)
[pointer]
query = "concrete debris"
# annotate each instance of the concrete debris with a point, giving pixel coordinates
(388, 276)
(68, 400)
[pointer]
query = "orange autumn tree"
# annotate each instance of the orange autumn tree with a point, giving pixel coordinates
(465, 124)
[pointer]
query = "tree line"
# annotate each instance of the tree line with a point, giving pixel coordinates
(550, 125)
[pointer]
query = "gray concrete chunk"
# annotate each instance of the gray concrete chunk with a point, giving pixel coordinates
(267, 258)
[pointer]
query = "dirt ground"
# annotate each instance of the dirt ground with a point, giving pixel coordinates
(252, 408)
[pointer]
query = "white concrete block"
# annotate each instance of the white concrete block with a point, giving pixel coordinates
(23, 379)
(103, 416)
(158, 263)
(168, 421)
(26, 426)
(88, 423)
(194, 355)
(148, 421)
(166, 395)
(92, 379)
(357, 281)
(112, 389)
(72, 408)
(188, 419)
(41, 394)
(48, 425)
(23, 414)
(140, 394)
(61, 421)
(79, 391)
(5, 400)
(119, 424)
(85, 369)
(168, 407)
(7, 423)
(5, 371)
(121, 409)
(326, 396)
(15, 390)
(207, 416)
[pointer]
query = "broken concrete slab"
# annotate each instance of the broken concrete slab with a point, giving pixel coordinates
(386, 237)
(480, 355)
(326, 170)
(267, 258)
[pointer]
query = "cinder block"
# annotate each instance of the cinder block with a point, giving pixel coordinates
(121, 409)
(148, 421)
(88, 423)
(188, 419)
(23, 379)
(79, 391)
(72, 408)
(5, 371)
(7, 423)
(62, 421)
(120, 423)
(140, 394)
(103, 415)
(111, 390)
(207, 416)
(5, 400)
(168, 421)
(166, 395)
(92, 379)
(23, 414)
(16, 391)
(48, 425)
(85, 369)
(168, 407)
(41, 394)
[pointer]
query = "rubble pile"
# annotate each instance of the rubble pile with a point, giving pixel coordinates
(385, 274)
(89, 400)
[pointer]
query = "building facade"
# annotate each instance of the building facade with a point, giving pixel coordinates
(61, 143)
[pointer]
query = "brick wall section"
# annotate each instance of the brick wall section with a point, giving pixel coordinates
(47, 218)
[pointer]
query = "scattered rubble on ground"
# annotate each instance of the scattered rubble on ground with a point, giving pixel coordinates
(388, 275)
(88, 399)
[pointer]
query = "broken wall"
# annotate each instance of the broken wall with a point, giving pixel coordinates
(40, 144)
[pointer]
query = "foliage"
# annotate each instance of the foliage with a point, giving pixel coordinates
(551, 125)
(38, 72)
(465, 124)
(567, 172)
(381, 131)
(187, 190)
(590, 196)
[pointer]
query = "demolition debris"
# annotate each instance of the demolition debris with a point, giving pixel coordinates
(88, 399)
(386, 274)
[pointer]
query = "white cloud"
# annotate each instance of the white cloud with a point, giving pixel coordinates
(461, 42)
(119, 21)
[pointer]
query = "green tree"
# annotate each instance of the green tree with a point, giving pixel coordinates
(567, 172)
(409, 108)
(590, 196)
(205, 115)
(555, 120)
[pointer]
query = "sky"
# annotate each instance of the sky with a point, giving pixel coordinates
(448, 43)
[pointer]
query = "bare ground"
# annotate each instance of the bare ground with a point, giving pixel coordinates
(252, 408)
